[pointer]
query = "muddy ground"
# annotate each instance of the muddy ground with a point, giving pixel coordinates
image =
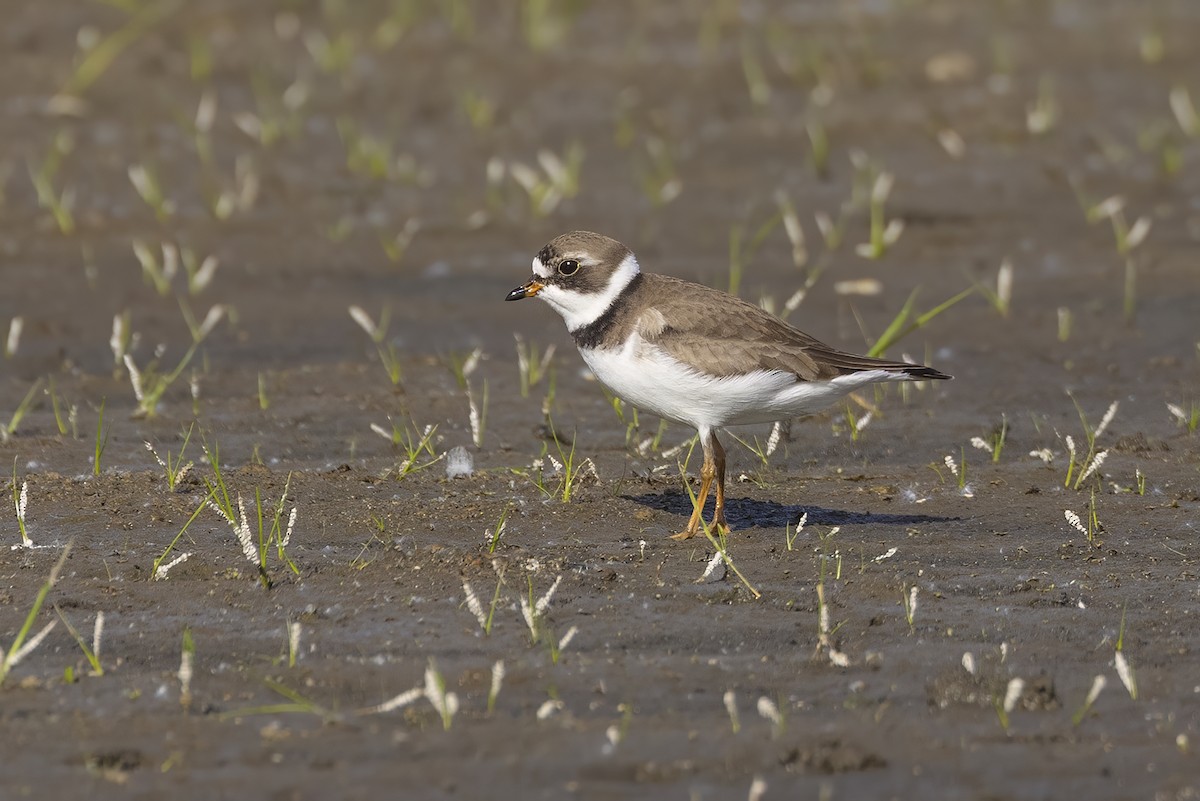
(329, 126)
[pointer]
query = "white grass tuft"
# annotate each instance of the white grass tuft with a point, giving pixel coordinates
(1125, 674)
(15, 326)
(1093, 466)
(982, 444)
(1013, 694)
(161, 572)
(474, 605)
(730, 701)
(1045, 454)
(951, 464)
(1109, 414)
(549, 708)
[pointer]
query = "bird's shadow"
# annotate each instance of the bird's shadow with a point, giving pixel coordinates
(745, 513)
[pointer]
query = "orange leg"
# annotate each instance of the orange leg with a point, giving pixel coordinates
(713, 470)
(707, 471)
(719, 525)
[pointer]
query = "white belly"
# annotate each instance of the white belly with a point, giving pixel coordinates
(655, 382)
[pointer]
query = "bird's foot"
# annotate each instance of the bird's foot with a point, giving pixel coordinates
(718, 528)
(686, 534)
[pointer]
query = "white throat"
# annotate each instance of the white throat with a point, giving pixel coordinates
(579, 309)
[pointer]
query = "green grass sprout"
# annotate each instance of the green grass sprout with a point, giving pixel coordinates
(901, 325)
(388, 356)
(161, 567)
(174, 467)
(20, 647)
(91, 653)
(20, 504)
(18, 415)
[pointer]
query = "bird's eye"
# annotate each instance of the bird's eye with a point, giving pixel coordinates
(568, 267)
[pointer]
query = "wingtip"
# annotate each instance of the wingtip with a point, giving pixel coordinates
(923, 373)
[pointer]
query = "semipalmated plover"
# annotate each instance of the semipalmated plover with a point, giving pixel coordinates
(690, 353)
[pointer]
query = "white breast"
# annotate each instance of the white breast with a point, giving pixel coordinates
(653, 381)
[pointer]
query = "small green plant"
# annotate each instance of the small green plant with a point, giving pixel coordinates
(20, 503)
(397, 244)
(825, 633)
(91, 653)
(909, 600)
(492, 536)
(446, 703)
(792, 534)
(141, 20)
(149, 188)
(769, 710)
(174, 466)
(19, 648)
(1097, 687)
(296, 702)
(150, 385)
(293, 629)
(557, 646)
(762, 450)
(742, 249)
(485, 619)
(367, 155)
(187, 663)
(1188, 418)
(1124, 670)
(818, 148)
(884, 232)
(1041, 116)
(534, 612)
(388, 356)
(1184, 110)
(546, 24)
(657, 174)
(1008, 702)
(1000, 298)
(161, 566)
(570, 471)
(255, 540)
(462, 365)
(1093, 527)
(531, 366)
(60, 204)
(1082, 469)
(479, 109)
(18, 415)
(477, 414)
(72, 415)
(959, 473)
(415, 443)
(557, 179)
(756, 79)
(16, 325)
(994, 443)
(497, 681)
(854, 422)
(730, 701)
(901, 325)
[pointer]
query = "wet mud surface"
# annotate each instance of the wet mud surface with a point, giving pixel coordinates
(332, 126)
